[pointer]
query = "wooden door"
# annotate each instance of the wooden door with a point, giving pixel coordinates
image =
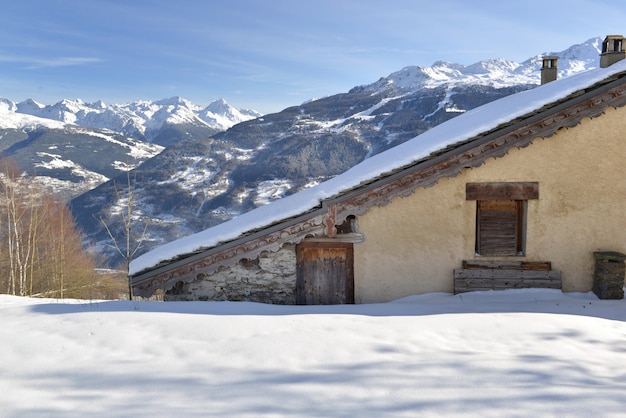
(325, 273)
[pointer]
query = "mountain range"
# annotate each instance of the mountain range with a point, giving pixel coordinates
(144, 120)
(73, 146)
(202, 166)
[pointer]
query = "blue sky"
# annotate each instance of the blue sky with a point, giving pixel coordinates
(267, 55)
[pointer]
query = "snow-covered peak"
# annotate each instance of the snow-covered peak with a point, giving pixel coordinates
(140, 116)
(98, 105)
(174, 110)
(10, 119)
(413, 78)
(29, 106)
(219, 106)
(575, 59)
(220, 113)
(588, 51)
(582, 57)
(495, 67)
(7, 105)
(177, 102)
(496, 72)
(63, 111)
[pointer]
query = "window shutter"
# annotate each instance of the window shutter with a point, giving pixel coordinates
(499, 224)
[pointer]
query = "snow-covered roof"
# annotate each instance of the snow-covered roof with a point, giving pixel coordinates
(468, 125)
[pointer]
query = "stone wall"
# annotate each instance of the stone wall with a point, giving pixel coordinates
(269, 279)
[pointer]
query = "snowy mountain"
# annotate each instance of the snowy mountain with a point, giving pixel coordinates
(201, 182)
(67, 159)
(143, 120)
(74, 146)
(10, 119)
(497, 72)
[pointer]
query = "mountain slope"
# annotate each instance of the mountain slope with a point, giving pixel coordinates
(72, 147)
(198, 183)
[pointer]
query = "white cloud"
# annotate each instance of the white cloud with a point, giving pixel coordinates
(36, 62)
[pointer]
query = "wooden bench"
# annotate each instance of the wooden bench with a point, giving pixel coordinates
(500, 275)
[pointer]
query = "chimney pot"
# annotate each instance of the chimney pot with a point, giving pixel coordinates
(612, 50)
(549, 69)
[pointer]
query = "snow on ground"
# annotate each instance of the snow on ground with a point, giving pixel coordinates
(484, 354)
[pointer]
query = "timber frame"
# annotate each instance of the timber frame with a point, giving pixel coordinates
(447, 162)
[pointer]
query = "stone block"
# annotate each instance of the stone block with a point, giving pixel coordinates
(608, 275)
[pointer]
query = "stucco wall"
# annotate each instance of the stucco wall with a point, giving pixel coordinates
(413, 244)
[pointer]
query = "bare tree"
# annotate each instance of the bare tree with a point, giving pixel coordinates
(22, 210)
(126, 240)
(41, 251)
(9, 175)
(70, 269)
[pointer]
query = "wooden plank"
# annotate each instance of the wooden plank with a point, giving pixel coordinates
(502, 191)
(469, 280)
(465, 289)
(325, 244)
(505, 274)
(461, 289)
(503, 283)
(320, 279)
(497, 264)
(508, 206)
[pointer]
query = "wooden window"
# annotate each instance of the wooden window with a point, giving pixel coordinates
(501, 216)
(500, 227)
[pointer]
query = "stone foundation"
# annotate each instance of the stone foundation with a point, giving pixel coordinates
(269, 279)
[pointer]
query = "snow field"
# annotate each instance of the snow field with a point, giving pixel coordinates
(510, 353)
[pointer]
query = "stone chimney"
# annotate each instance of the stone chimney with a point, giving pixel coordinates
(549, 69)
(612, 50)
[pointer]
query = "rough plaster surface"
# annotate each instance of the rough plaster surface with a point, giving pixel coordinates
(413, 244)
(269, 279)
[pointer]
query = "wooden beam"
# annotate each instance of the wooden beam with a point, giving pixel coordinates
(502, 191)
(507, 274)
(507, 265)
(470, 280)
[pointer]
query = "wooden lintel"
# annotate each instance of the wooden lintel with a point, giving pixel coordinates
(354, 237)
(502, 191)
